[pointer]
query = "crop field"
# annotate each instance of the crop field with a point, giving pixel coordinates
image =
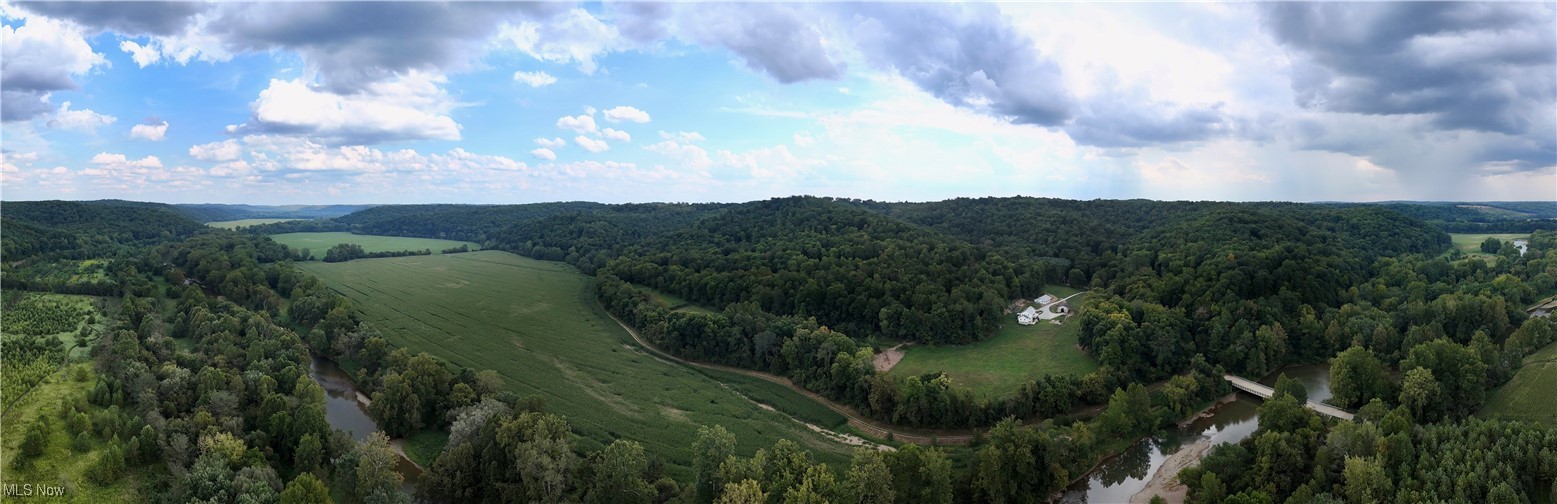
(1528, 396)
(235, 224)
(317, 243)
(537, 324)
(997, 367)
(60, 465)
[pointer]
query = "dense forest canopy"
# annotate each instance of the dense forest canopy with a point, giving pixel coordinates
(801, 288)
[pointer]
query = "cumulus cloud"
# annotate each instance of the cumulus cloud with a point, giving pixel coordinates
(117, 164)
(534, 79)
(684, 154)
(682, 136)
(967, 55)
(615, 134)
(780, 40)
(575, 36)
(579, 123)
(627, 114)
(226, 150)
(152, 132)
(80, 120)
(544, 153)
(41, 57)
(148, 17)
(411, 107)
(1486, 67)
(591, 144)
(551, 143)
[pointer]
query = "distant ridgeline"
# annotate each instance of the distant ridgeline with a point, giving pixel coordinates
(1489, 217)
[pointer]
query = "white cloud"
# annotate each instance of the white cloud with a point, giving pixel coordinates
(551, 143)
(535, 79)
(119, 165)
(80, 120)
(226, 150)
(804, 139)
(411, 107)
(544, 153)
(625, 113)
(142, 55)
(578, 123)
(682, 136)
(576, 36)
(616, 134)
(686, 155)
(590, 144)
(40, 57)
(153, 132)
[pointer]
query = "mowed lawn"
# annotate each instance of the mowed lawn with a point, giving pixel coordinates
(537, 324)
(1529, 395)
(235, 224)
(997, 367)
(318, 243)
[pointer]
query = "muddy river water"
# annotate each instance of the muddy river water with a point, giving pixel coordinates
(1116, 480)
(346, 412)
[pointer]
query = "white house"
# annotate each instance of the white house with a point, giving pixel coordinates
(1028, 316)
(1044, 300)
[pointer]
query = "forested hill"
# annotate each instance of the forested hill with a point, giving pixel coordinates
(1489, 217)
(37, 227)
(852, 269)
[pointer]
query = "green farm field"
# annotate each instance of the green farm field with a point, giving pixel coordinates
(997, 367)
(1528, 396)
(318, 243)
(537, 324)
(235, 224)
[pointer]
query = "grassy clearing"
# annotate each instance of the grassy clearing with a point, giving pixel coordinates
(423, 447)
(780, 398)
(536, 323)
(318, 243)
(1470, 243)
(1059, 291)
(674, 302)
(59, 465)
(997, 367)
(1528, 396)
(235, 224)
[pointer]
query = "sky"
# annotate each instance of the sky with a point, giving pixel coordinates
(496, 102)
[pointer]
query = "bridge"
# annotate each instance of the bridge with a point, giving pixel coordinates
(1265, 392)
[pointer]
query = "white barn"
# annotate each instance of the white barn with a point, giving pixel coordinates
(1028, 316)
(1044, 300)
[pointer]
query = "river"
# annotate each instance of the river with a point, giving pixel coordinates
(345, 412)
(1116, 480)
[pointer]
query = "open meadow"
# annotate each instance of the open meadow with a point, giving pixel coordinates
(318, 243)
(1016, 354)
(235, 224)
(1528, 396)
(537, 324)
(1470, 243)
(65, 464)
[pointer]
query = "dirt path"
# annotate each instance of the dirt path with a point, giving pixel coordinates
(961, 437)
(889, 358)
(1166, 481)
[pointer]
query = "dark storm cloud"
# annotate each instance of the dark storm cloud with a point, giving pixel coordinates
(353, 44)
(23, 105)
(966, 55)
(779, 40)
(129, 18)
(1484, 67)
(1130, 118)
(641, 21)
